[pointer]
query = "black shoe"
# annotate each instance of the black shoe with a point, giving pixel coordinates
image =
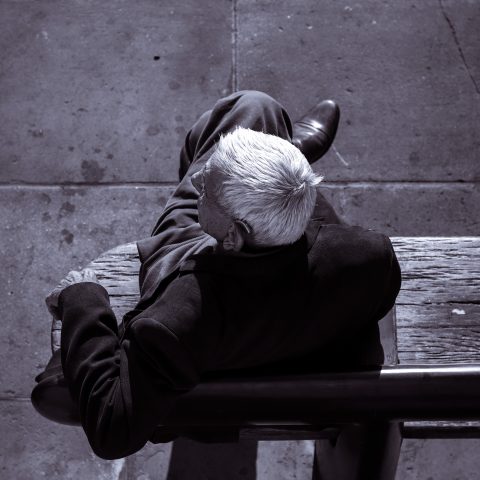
(51, 397)
(314, 132)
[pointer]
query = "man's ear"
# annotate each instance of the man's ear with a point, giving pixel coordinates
(235, 238)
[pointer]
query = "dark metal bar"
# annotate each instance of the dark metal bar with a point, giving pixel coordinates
(447, 392)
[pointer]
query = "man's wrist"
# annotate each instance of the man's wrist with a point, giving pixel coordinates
(87, 275)
(77, 292)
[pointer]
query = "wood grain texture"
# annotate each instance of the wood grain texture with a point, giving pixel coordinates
(438, 270)
(438, 308)
(116, 270)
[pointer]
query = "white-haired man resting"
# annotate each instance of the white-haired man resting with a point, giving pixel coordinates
(248, 267)
(261, 182)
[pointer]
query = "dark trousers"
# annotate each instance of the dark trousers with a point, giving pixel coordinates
(249, 109)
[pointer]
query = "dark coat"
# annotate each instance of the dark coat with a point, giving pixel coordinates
(312, 299)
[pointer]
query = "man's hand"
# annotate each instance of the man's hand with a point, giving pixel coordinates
(85, 275)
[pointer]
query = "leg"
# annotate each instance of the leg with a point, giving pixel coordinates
(248, 109)
(369, 450)
(191, 141)
(362, 451)
(51, 397)
(313, 134)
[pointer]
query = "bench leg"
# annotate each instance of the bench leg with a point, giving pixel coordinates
(363, 451)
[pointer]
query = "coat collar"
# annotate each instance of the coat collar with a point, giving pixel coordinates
(263, 262)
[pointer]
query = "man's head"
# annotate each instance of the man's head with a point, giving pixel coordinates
(255, 189)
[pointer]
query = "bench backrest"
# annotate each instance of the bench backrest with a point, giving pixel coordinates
(438, 322)
(437, 310)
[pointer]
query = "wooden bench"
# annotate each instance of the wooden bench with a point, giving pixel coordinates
(430, 387)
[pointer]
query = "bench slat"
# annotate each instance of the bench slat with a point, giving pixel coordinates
(435, 270)
(438, 333)
(440, 429)
(438, 270)
(438, 306)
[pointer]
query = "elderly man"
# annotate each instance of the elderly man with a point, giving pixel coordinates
(248, 267)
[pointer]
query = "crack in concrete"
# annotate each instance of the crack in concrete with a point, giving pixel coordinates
(234, 79)
(459, 47)
(118, 468)
(339, 156)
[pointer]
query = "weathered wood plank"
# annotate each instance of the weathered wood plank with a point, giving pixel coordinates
(117, 270)
(438, 269)
(438, 308)
(440, 283)
(438, 333)
(441, 429)
(438, 315)
(434, 269)
(452, 345)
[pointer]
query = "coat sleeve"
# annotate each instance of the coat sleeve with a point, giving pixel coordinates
(392, 280)
(123, 389)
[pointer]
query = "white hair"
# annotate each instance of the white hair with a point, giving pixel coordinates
(269, 184)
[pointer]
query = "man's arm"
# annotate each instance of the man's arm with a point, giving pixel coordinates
(123, 390)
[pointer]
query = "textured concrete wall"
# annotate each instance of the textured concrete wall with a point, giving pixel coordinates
(95, 100)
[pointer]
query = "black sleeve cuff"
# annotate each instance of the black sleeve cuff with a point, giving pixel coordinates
(82, 292)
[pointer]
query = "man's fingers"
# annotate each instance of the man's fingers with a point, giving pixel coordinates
(52, 301)
(89, 275)
(72, 277)
(85, 275)
(56, 334)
